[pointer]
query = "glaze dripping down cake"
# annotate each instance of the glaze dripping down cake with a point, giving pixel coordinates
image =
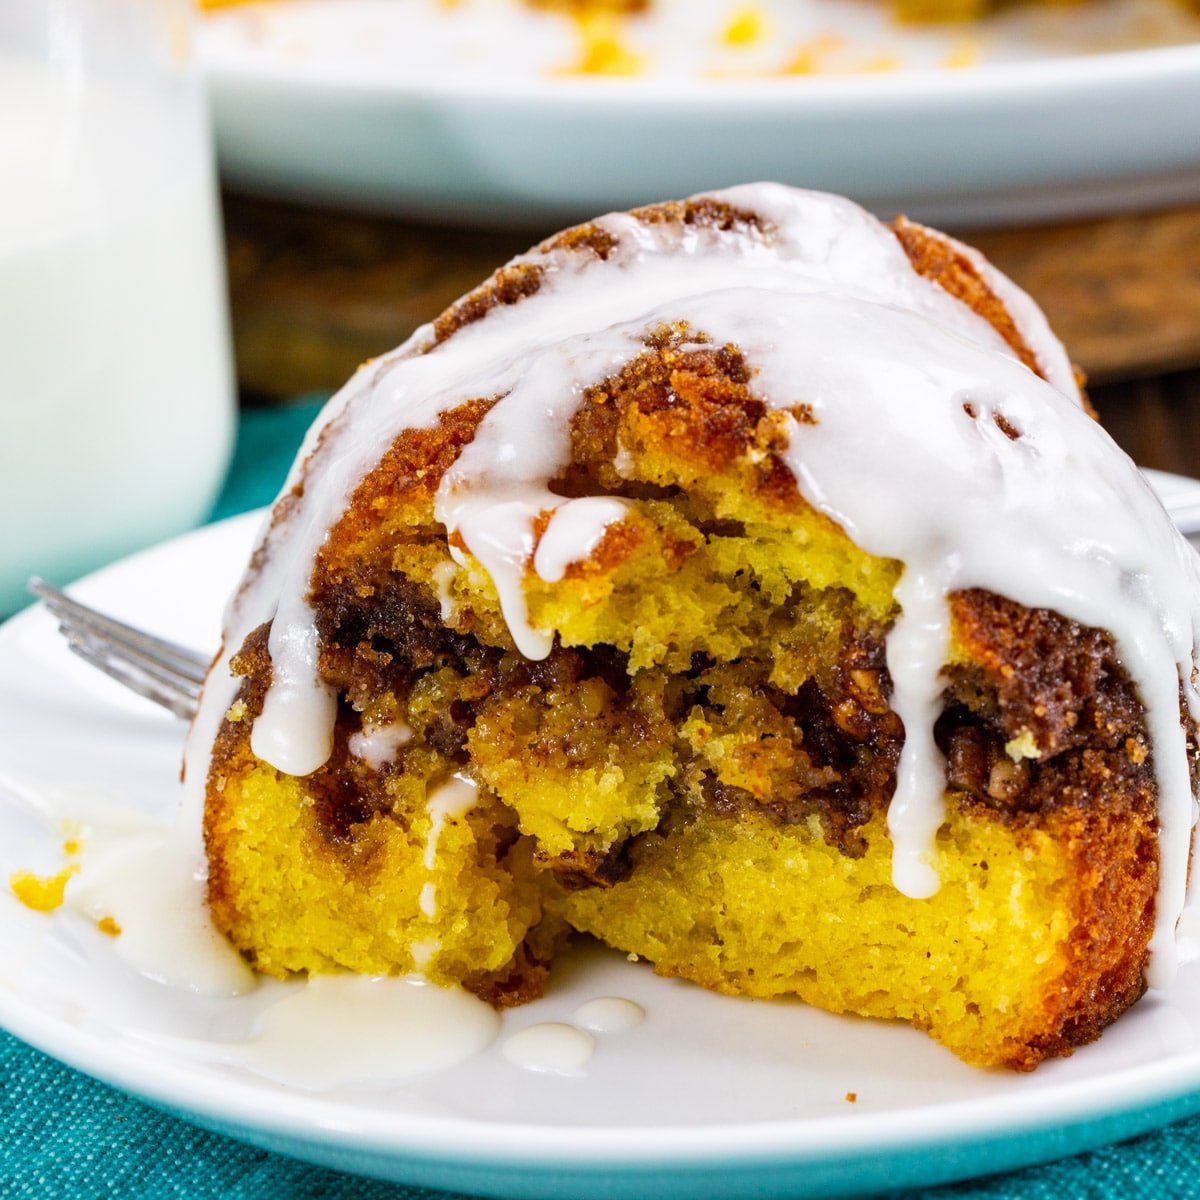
(745, 583)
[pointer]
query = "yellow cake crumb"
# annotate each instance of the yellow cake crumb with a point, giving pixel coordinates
(42, 893)
(72, 834)
(1024, 745)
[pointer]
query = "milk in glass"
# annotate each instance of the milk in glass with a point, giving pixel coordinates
(116, 399)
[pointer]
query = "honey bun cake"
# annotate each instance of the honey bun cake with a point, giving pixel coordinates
(745, 583)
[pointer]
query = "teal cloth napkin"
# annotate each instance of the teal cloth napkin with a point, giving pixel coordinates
(62, 1134)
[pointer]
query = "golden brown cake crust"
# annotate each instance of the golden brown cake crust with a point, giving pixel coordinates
(937, 257)
(1114, 882)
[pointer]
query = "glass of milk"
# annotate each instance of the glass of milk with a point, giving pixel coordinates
(116, 387)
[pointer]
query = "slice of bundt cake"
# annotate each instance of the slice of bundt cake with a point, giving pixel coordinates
(743, 582)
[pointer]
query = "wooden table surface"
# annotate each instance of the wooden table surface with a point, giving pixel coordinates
(315, 292)
(1155, 420)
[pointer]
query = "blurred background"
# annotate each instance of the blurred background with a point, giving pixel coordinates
(377, 158)
(381, 156)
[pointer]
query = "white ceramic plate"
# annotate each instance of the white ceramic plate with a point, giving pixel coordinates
(710, 1095)
(417, 108)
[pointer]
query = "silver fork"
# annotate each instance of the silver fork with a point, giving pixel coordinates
(162, 671)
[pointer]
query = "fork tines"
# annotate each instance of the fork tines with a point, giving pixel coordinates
(164, 672)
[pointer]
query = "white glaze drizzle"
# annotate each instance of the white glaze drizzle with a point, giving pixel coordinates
(575, 530)
(339, 1029)
(1035, 330)
(144, 876)
(917, 647)
(608, 1014)
(443, 576)
(450, 801)
(294, 731)
(423, 950)
(550, 1048)
(827, 309)
(376, 745)
(335, 1031)
(150, 887)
